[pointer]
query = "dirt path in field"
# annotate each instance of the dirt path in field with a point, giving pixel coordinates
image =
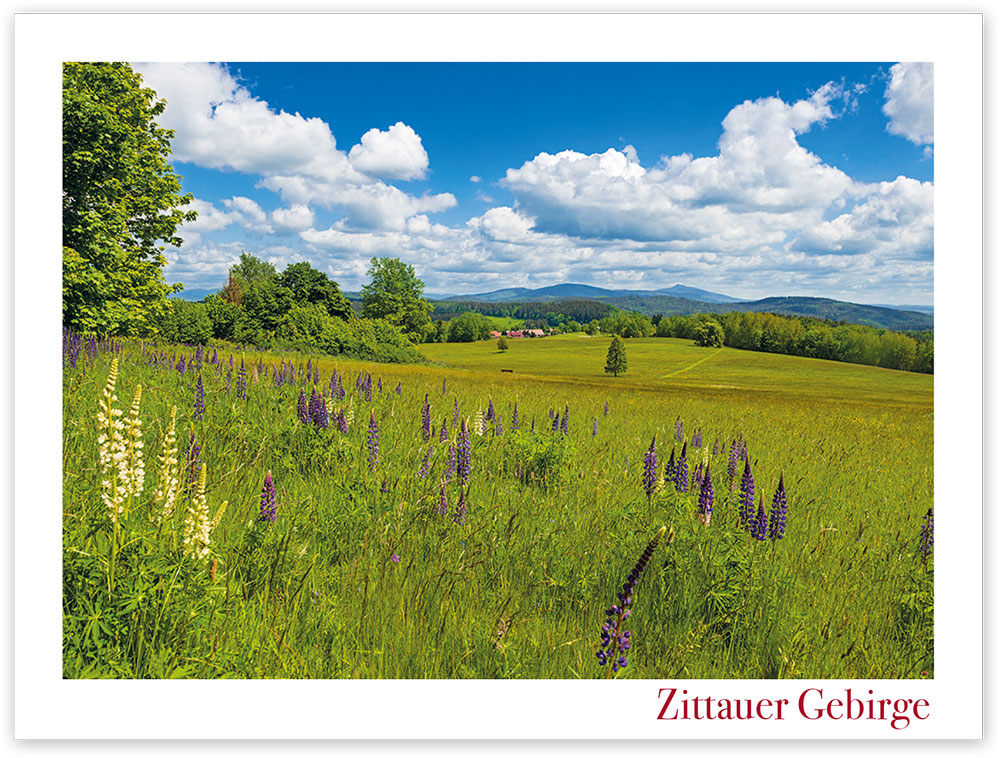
(696, 363)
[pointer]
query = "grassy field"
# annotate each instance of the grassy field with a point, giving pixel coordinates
(361, 574)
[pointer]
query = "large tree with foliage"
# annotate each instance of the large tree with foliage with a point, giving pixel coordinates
(120, 198)
(309, 285)
(396, 294)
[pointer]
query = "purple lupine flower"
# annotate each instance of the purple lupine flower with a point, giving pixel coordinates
(497, 425)
(671, 469)
(303, 408)
(715, 447)
(309, 367)
(380, 385)
(450, 468)
(490, 412)
(443, 499)
(92, 348)
(696, 476)
(696, 439)
(649, 470)
(215, 356)
(555, 423)
(192, 459)
(681, 472)
(319, 414)
(241, 381)
(593, 432)
(758, 527)
(552, 413)
(230, 360)
(464, 460)
(399, 388)
(425, 420)
(779, 511)
(927, 535)
(342, 422)
(515, 421)
(373, 443)
(385, 487)
(395, 558)
(459, 517)
(444, 386)
(455, 415)
(616, 641)
(731, 470)
(268, 501)
(564, 424)
(746, 497)
(706, 497)
(181, 366)
(199, 400)
(678, 430)
(607, 408)
(425, 465)
(444, 429)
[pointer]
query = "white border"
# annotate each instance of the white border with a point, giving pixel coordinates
(48, 707)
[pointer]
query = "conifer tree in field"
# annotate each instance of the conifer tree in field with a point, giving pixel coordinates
(617, 363)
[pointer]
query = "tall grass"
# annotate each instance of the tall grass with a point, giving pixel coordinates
(361, 575)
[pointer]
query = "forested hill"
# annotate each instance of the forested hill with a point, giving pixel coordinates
(815, 307)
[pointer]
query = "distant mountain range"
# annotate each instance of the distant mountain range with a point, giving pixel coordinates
(682, 300)
(585, 291)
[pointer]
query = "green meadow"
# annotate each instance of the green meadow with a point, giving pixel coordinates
(392, 564)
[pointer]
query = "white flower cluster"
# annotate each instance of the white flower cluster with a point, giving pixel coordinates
(111, 447)
(705, 456)
(479, 424)
(169, 475)
(134, 472)
(197, 526)
(349, 413)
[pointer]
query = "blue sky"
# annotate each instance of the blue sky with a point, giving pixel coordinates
(748, 179)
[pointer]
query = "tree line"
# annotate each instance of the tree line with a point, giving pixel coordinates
(789, 335)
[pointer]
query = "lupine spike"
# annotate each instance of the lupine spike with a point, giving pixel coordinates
(927, 536)
(779, 511)
(649, 470)
(268, 500)
(681, 472)
(706, 497)
(373, 443)
(746, 497)
(464, 451)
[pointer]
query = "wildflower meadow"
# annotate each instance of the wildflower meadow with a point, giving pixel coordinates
(709, 514)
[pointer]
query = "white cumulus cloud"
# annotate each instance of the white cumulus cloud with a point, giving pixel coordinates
(909, 102)
(397, 153)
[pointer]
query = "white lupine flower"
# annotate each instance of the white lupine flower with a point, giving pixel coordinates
(111, 446)
(705, 456)
(169, 475)
(134, 469)
(478, 425)
(349, 414)
(197, 526)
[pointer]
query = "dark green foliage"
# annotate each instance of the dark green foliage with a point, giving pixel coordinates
(120, 198)
(308, 285)
(627, 324)
(617, 362)
(186, 322)
(396, 294)
(550, 313)
(469, 327)
(502, 345)
(709, 333)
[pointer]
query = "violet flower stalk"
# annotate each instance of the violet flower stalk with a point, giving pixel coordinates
(593, 432)
(373, 443)
(443, 500)
(459, 517)
(443, 437)
(464, 451)
(320, 416)
(678, 430)
(515, 421)
(564, 424)
(670, 471)
(490, 412)
(616, 641)
(451, 466)
(705, 498)
(425, 420)
(758, 527)
(303, 408)
(746, 497)
(241, 381)
(268, 501)
(425, 465)
(649, 470)
(681, 473)
(607, 408)
(779, 511)
(927, 536)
